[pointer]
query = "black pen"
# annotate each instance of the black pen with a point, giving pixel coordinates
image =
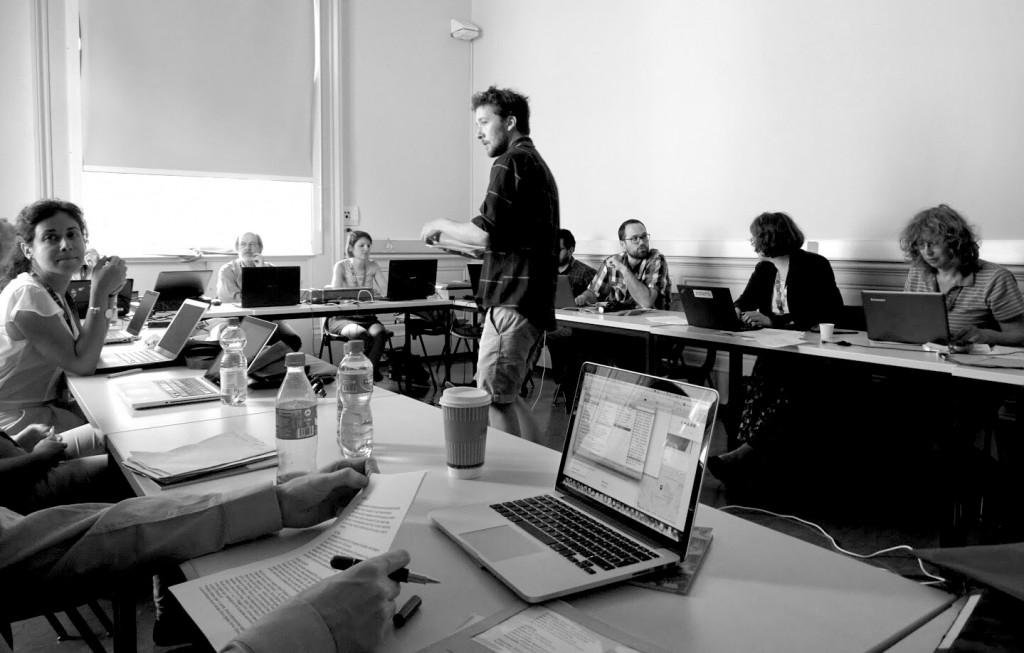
(403, 575)
(407, 610)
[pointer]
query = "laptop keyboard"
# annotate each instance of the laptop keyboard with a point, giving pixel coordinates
(583, 541)
(140, 356)
(189, 387)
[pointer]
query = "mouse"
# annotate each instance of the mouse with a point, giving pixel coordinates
(214, 302)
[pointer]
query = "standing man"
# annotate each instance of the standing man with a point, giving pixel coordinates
(249, 247)
(637, 276)
(518, 227)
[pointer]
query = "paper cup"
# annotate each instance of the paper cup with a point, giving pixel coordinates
(464, 411)
(826, 329)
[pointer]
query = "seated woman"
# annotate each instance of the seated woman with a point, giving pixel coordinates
(359, 271)
(41, 337)
(983, 300)
(789, 289)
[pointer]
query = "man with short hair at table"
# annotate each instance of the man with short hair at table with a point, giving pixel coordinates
(249, 247)
(71, 549)
(635, 277)
(518, 227)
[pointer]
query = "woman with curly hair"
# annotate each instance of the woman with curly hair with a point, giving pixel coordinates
(983, 300)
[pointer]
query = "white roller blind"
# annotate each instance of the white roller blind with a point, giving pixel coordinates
(219, 87)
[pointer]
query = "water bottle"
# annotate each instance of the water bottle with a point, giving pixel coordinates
(295, 413)
(355, 387)
(234, 378)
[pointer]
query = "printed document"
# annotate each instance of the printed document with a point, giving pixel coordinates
(226, 603)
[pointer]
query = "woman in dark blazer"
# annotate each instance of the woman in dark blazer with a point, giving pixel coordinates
(789, 289)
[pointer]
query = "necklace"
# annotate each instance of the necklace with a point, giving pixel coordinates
(63, 303)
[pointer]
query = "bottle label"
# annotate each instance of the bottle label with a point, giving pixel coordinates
(296, 423)
(355, 382)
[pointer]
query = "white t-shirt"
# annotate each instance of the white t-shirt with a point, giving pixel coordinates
(26, 379)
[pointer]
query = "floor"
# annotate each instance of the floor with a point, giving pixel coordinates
(865, 507)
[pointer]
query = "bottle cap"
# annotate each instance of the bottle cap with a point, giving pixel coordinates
(295, 359)
(354, 347)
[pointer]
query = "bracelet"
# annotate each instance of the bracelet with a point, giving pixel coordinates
(96, 310)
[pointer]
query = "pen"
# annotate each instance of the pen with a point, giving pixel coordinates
(407, 610)
(134, 370)
(403, 575)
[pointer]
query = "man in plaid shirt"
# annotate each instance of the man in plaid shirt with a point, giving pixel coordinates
(638, 276)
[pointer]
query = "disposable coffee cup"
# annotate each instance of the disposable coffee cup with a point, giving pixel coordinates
(464, 411)
(826, 329)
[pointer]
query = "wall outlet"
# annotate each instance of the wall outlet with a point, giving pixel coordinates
(350, 214)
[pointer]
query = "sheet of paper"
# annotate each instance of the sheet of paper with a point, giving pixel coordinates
(775, 337)
(210, 453)
(227, 603)
(668, 319)
(539, 629)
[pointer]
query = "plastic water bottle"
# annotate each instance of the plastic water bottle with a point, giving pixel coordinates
(355, 387)
(234, 378)
(295, 413)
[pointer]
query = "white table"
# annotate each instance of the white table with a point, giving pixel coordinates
(758, 589)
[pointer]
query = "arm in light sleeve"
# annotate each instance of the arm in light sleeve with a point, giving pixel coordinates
(82, 542)
(229, 286)
(295, 626)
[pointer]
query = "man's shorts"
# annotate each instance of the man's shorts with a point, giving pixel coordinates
(506, 343)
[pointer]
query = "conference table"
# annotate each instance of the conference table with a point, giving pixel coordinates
(757, 589)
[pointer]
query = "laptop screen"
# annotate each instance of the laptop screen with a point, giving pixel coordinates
(637, 447)
(411, 278)
(257, 333)
(181, 327)
(175, 286)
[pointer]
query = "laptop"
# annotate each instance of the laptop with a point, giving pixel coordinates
(151, 393)
(411, 279)
(563, 292)
(178, 285)
(631, 470)
(131, 332)
(710, 307)
(905, 317)
(79, 292)
(270, 286)
(165, 352)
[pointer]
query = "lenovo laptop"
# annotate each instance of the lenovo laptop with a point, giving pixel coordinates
(631, 472)
(150, 393)
(710, 307)
(178, 285)
(270, 286)
(905, 317)
(131, 332)
(165, 352)
(411, 279)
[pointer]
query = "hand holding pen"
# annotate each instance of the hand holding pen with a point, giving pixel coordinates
(403, 575)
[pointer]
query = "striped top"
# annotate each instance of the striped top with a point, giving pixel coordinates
(983, 299)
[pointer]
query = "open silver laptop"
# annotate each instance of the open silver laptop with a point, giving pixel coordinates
(131, 332)
(166, 351)
(913, 318)
(168, 391)
(631, 471)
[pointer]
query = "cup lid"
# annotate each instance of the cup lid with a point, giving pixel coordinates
(465, 397)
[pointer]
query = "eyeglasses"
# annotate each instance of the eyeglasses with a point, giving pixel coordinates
(642, 238)
(923, 244)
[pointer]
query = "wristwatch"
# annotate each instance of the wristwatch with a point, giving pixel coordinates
(99, 310)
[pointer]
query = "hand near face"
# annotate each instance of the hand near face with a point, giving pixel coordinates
(109, 275)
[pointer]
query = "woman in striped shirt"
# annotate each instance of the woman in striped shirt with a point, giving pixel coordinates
(983, 299)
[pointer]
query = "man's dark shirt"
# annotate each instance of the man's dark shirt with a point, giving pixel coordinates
(580, 275)
(520, 214)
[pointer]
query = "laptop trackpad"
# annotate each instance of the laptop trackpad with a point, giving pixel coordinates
(501, 543)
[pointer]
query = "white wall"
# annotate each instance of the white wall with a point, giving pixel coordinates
(19, 183)
(697, 115)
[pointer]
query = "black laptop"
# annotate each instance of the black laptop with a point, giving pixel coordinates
(178, 285)
(411, 279)
(270, 286)
(79, 291)
(913, 318)
(710, 307)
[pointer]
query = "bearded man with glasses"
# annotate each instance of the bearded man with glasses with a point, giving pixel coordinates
(635, 277)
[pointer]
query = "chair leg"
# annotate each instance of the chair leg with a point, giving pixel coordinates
(84, 631)
(58, 627)
(102, 617)
(430, 368)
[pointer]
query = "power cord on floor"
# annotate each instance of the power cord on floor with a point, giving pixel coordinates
(835, 545)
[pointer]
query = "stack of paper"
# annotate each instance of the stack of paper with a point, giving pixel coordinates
(221, 452)
(456, 247)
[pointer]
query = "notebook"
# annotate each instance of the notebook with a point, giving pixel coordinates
(411, 279)
(79, 291)
(631, 466)
(150, 393)
(176, 286)
(165, 351)
(563, 292)
(710, 307)
(131, 332)
(907, 317)
(270, 286)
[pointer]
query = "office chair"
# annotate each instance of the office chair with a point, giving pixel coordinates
(327, 339)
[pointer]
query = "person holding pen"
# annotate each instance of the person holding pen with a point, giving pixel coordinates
(60, 551)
